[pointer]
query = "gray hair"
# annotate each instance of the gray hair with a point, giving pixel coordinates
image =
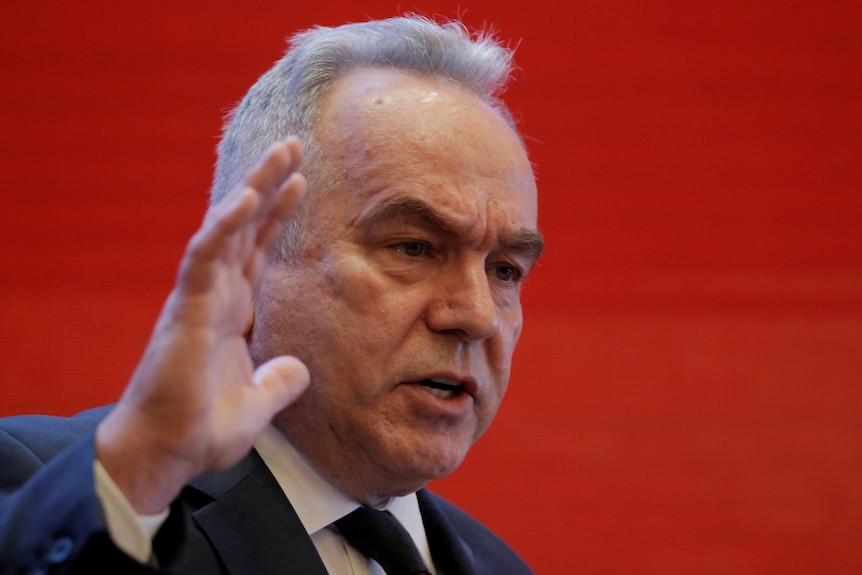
(286, 99)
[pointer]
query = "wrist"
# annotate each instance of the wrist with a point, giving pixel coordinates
(147, 477)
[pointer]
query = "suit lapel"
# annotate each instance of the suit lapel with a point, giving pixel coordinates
(255, 531)
(451, 554)
(251, 524)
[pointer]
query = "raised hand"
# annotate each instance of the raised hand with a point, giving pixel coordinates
(195, 403)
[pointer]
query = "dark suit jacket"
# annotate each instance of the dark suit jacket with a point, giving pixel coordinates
(236, 522)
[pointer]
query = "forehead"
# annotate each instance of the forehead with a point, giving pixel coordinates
(394, 133)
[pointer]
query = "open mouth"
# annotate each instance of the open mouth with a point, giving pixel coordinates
(442, 388)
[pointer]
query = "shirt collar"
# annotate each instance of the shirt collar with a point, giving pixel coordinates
(316, 501)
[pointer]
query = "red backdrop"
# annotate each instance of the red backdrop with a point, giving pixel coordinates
(687, 393)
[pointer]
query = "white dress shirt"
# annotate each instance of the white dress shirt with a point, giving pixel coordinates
(317, 502)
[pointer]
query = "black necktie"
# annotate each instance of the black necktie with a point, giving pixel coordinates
(379, 536)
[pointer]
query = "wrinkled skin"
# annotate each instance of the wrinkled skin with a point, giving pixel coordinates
(412, 273)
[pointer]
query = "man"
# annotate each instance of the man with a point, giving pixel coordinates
(358, 337)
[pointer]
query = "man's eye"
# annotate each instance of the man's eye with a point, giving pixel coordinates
(507, 273)
(412, 249)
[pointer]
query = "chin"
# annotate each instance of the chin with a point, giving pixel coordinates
(428, 462)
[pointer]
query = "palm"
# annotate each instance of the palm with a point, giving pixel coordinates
(195, 403)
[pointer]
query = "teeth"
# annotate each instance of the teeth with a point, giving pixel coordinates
(445, 381)
(441, 393)
(441, 387)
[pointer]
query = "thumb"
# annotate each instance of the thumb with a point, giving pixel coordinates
(282, 379)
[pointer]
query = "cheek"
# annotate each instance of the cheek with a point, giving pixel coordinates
(502, 352)
(510, 332)
(284, 318)
(368, 300)
(515, 323)
(353, 281)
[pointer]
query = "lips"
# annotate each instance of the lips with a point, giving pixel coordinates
(442, 387)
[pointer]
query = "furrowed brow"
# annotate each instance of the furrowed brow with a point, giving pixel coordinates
(525, 243)
(413, 210)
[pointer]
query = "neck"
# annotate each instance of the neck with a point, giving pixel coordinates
(358, 478)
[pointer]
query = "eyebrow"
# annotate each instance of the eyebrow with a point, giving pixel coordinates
(525, 242)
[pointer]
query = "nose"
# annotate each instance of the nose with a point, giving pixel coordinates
(463, 304)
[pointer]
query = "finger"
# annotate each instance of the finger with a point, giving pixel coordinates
(279, 189)
(279, 202)
(278, 163)
(261, 190)
(290, 195)
(292, 192)
(281, 380)
(212, 242)
(271, 231)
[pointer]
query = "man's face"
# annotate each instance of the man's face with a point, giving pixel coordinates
(405, 301)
